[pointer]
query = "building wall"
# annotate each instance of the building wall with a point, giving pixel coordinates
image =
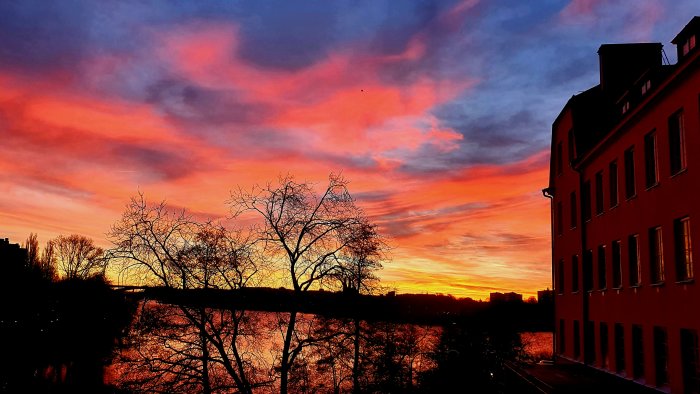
(669, 306)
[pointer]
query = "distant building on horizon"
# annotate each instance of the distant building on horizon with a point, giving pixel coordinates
(625, 206)
(545, 296)
(505, 297)
(12, 258)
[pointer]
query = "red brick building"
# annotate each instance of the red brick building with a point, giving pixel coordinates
(625, 190)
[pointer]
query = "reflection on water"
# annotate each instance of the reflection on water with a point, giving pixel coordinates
(180, 349)
(537, 345)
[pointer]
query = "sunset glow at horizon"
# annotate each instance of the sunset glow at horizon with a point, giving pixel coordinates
(438, 113)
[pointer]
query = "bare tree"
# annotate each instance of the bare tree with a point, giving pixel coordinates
(44, 267)
(78, 257)
(360, 260)
(307, 234)
(186, 347)
(48, 258)
(32, 246)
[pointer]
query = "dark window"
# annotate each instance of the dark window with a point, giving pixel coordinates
(619, 348)
(683, 249)
(676, 142)
(637, 352)
(560, 277)
(656, 255)
(616, 264)
(562, 337)
(574, 273)
(577, 340)
(630, 186)
(588, 270)
(586, 201)
(690, 356)
(602, 277)
(573, 210)
(604, 362)
(560, 218)
(660, 356)
(633, 258)
(572, 147)
(613, 184)
(589, 342)
(650, 167)
(560, 159)
(599, 193)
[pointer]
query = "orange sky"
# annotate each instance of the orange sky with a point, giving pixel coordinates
(416, 107)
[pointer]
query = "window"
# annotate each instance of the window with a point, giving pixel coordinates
(676, 142)
(602, 278)
(560, 218)
(573, 210)
(633, 258)
(588, 270)
(574, 273)
(683, 249)
(690, 355)
(586, 201)
(559, 159)
(560, 277)
(637, 352)
(660, 356)
(650, 167)
(656, 255)
(619, 348)
(589, 342)
(688, 44)
(646, 87)
(562, 337)
(625, 107)
(613, 183)
(577, 340)
(617, 264)
(604, 362)
(599, 193)
(630, 186)
(572, 147)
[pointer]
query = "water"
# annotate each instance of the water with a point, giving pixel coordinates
(175, 349)
(537, 345)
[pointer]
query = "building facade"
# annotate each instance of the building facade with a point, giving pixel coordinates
(625, 194)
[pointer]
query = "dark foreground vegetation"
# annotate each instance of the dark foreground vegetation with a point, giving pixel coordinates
(58, 336)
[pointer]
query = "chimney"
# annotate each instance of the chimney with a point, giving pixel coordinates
(622, 64)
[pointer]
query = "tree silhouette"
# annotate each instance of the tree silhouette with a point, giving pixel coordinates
(77, 256)
(42, 263)
(308, 235)
(186, 347)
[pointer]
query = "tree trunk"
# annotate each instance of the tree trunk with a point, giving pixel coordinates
(356, 359)
(286, 362)
(206, 384)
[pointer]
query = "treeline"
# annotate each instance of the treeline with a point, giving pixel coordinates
(405, 308)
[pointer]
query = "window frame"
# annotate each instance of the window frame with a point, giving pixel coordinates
(678, 160)
(656, 256)
(634, 265)
(683, 248)
(630, 174)
(613, 184)
(599, 193)
(651, 164)
(602, 268)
